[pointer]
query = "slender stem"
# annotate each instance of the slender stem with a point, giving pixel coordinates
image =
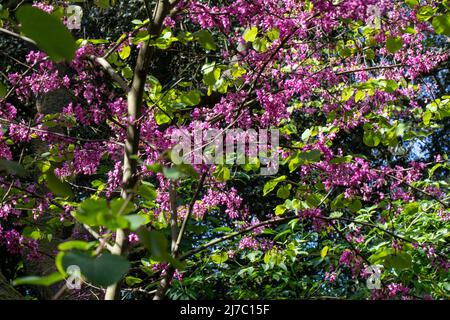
(398, 65)
(18, 36)
(60, 135)
(109, 69)
(191, 207)
(418, 190)
(173, 217)
(135, 99)
(176, 240)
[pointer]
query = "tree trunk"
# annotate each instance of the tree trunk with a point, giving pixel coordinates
(135, 100)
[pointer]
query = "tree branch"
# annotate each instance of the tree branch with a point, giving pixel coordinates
(164, 284)
(18, 36)
(398, 65)
(135, 99)
(109, 69)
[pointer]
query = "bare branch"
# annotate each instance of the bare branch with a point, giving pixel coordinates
(109, 69)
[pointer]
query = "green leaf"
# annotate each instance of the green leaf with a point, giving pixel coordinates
(347, 94)
(48, 32)
(32, 232)
(411, 208)
(311, 155)
(433, 169)
(304, 157)
(57, 186)
(75, 244)
(135, 221)
(378, 256)
(273, 34)
(147, 191)
(270, 185)
(280, 209)
(344, 159)
(345, 52)
(412, 3)
(260, 45)
(410, 30)
(172, 173)
(306, 135)
(425, 13)
(250, 34)
(338, 202)
(155, 167)
(441, 24)
(222, 173)
(221, 86)
(371, 139)
(205, 39)
(191, 98)
(127, 72)
(219, 258)
(222, 229)
(98, 212)
(336, 214)
(155, 242)
(359, 95)
(284, 191)
(131, 281)
(389, 85)
(398, 261)
(180, 171)
(11, 167)
(103, 270)
(355, 205)
(313, 200)
(210, 78)
(125, 52)
(3, 90)
(324, 251)
(426, 117)
(370, 54)
(161, 117)
(4, 12)
(39, 281)
(103, 4)
(394, 44)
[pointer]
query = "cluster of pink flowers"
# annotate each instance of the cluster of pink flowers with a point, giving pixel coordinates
(16, 244)
(46, 78)
(314, 216)
(133, 238)
(353, 261)
(162, 267)
(7, 209)
(444, 215)
(87, 159)
(213, 198)
(43, 6)
(114, 179)
(355, 236)
(393, 290)
(397, 288)
(248, 242)
(330, 276)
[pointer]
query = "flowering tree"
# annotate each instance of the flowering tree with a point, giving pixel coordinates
(356, 207)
